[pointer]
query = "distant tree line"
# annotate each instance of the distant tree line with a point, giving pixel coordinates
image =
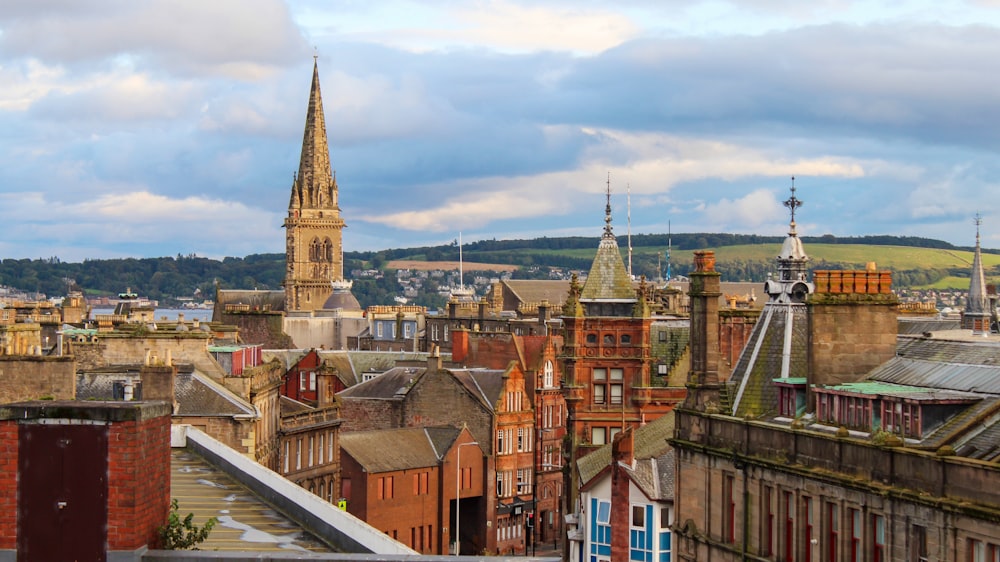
(167, 278)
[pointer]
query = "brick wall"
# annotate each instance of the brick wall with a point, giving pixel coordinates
(8, 484)
(138, 466)
(35, 377)
(138, 483)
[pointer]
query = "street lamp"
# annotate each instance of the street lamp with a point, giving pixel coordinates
(458, 493)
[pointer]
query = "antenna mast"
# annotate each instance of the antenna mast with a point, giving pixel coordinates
(628, 216)
(668, 251)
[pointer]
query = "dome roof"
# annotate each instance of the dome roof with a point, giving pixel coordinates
(342, 299)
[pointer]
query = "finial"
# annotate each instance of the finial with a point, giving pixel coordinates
(315, 54)
(793, 203)
(978, 219)
(607, 209)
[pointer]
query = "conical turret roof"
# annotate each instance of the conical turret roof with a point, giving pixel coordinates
(608, 278)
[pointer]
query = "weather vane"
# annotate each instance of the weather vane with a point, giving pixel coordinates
(793, 203)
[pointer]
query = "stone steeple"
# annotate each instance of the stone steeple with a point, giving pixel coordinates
(977, 306)
(608, 282)
(314, 254)
(315, 185)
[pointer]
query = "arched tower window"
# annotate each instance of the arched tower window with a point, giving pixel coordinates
(315, 251)
(328, 250)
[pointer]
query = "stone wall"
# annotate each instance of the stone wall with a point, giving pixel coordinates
(953, 499)
(37, 377)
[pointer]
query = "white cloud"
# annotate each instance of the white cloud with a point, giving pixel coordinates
(242, 39)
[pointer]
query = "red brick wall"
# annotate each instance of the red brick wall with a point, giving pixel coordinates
(8, 485)
(138, 482)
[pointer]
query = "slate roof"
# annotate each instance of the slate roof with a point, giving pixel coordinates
(608, 279)
(387, 450)
(650, 442)
(394, 383)
(763, 359)
(537, 290)
(290, 406)
(196, 394)
(920, 325)
(485, 384)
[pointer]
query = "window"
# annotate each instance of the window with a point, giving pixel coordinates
(320, 450)
(855, 522)
(728, 508)
(788, 537)
(600, 530)
(311, 448)
(598, 436)
(609, 339)
(807, 529)
(663, 336)
(591, 338)
(617, 375)
(832, 530)
(767, 521)
(547, 375)
(384, 486)
(626, 339)
(918, 544)
(520, 439)
(599, 391)
(977, 551)
(285, 468)
(600, 375)
(661, 369)
(638, 516)
(616, 394)
(298, 453)
(878, 538)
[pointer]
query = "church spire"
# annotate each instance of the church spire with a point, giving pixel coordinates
(977, 306)
(315, 186)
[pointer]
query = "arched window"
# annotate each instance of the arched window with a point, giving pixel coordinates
(609, 339)
(626, 339)
(547, 375)
(328, 250)
(591, 338)
(314, 250)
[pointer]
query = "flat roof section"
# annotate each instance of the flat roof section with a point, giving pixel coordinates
(245, 522)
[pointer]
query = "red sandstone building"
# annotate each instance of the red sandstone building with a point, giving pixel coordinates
(608, 384)
(419, 485)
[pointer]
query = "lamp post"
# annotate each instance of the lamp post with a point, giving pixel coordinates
(458, 493)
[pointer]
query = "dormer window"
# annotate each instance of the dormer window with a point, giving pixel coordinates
(547, 375)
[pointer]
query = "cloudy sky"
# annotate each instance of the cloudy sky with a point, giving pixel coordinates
(165, 127)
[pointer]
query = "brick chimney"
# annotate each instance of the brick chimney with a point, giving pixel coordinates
(622, 456)
(703, 378)
(459, 345)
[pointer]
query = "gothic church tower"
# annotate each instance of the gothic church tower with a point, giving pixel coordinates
(314, 255)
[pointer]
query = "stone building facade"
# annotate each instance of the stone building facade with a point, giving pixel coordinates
(833, 440)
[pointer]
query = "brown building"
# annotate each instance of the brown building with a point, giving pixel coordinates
(310, 448)
(419, 486)
(833, 441)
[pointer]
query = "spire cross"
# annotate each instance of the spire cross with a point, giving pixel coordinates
(793, 203)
